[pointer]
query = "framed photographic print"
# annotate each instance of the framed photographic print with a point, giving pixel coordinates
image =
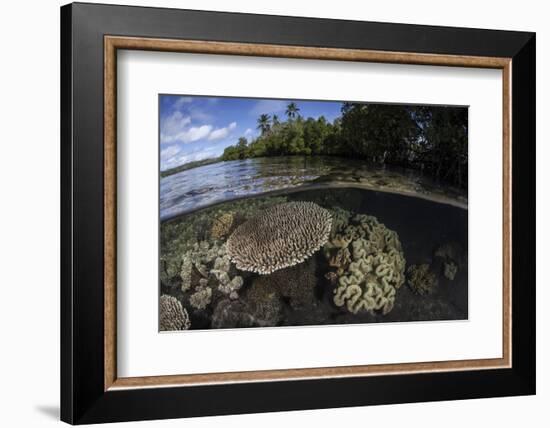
(272, 213)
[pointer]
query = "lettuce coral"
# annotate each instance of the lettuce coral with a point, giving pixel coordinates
(370, 278)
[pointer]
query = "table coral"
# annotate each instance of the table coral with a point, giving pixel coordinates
(279, 237)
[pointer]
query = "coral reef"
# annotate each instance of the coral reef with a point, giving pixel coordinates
(227, 285)
(369, 261)
(421, 279)
(172, 315)
(449, 251)
(209, 259)
(198, 256)
(186, 273)
(180, 237)
(264, 304)
(451, 255)
(231, 314)
(222, 225)
(279, 237)
(450, 269)
(201, 298)
(297, 283)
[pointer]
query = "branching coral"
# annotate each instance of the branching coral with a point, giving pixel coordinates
(184, 235)
(421, 279)
(279, 237)
(369, 279)
(227, 285)
(201, 298)
(199, 256)
(186, 273)
(172, 315)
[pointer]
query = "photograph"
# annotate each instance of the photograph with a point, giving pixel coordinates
(291, 212)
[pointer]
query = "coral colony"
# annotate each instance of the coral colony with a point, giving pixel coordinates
(282, 236)
(251, 263)
(338, 213)
(370, 263)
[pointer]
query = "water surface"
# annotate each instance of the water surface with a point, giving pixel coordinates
(223, 181)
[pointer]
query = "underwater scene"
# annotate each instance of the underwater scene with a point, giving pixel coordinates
(293, 213)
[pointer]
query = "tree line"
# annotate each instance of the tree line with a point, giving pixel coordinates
(431, 139)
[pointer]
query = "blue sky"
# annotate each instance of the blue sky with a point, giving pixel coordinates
(195, 128)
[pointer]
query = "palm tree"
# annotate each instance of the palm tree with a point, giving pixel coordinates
(292, 110)
(275, 120)
(264, 123)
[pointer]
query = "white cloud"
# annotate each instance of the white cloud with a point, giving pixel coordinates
(189, 135)
(174, 124)
(195, 133)
(268, 107)
(170, 151)
(220, 133)
(182, 101)
(249, 132)
(168, 156)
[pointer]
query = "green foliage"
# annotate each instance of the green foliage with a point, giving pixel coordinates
(239, 151)
(264, 123)
(427, 138)
(292, 110)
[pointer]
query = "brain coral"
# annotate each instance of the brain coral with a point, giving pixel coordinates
(172, 315)
(281, 236)
(370, 278)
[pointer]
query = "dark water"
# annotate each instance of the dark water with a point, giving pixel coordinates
(200, 187)
(423, 226)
